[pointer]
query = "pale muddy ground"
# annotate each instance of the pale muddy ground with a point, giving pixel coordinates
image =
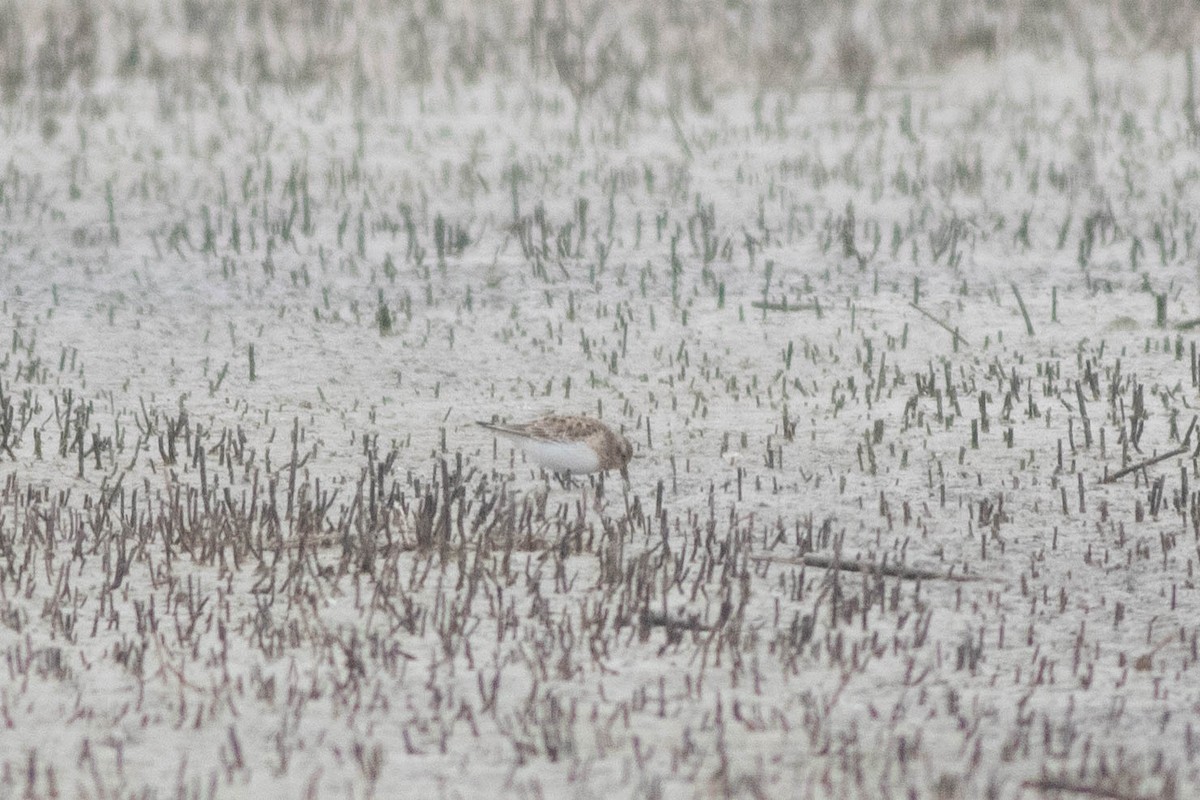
(336, 585)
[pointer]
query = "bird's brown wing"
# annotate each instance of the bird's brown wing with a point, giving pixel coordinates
(550, 428)
(564, 429)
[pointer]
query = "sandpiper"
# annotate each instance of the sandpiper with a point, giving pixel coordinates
(569, 444)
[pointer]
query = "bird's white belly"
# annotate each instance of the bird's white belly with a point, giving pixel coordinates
(573, 457)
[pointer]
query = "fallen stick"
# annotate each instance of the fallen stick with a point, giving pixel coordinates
(890, 570)
(690, 623)
(759, 304)
(1178, 451)
(1024, 311)
(680, 136)
(1057, 785)
(1121, 473)
(952, 331)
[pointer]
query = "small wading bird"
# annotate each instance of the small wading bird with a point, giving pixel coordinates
(569, 445)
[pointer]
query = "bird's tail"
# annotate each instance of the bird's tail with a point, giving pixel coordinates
(491, 426)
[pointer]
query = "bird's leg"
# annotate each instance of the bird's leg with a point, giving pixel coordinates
(596, 482)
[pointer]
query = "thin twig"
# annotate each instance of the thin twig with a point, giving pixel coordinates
(1057, 785)
(785, 307)
(1183, 448)
(1024, 311)
(1121, 473)
(952, 331)
(890, 570)
(680, 136)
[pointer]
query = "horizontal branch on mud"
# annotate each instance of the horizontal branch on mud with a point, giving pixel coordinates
(1057, 785)
(1178, 451)
(785, 306)
(890, 570)
(952, 331)
(691, 622)
(1121, 473)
